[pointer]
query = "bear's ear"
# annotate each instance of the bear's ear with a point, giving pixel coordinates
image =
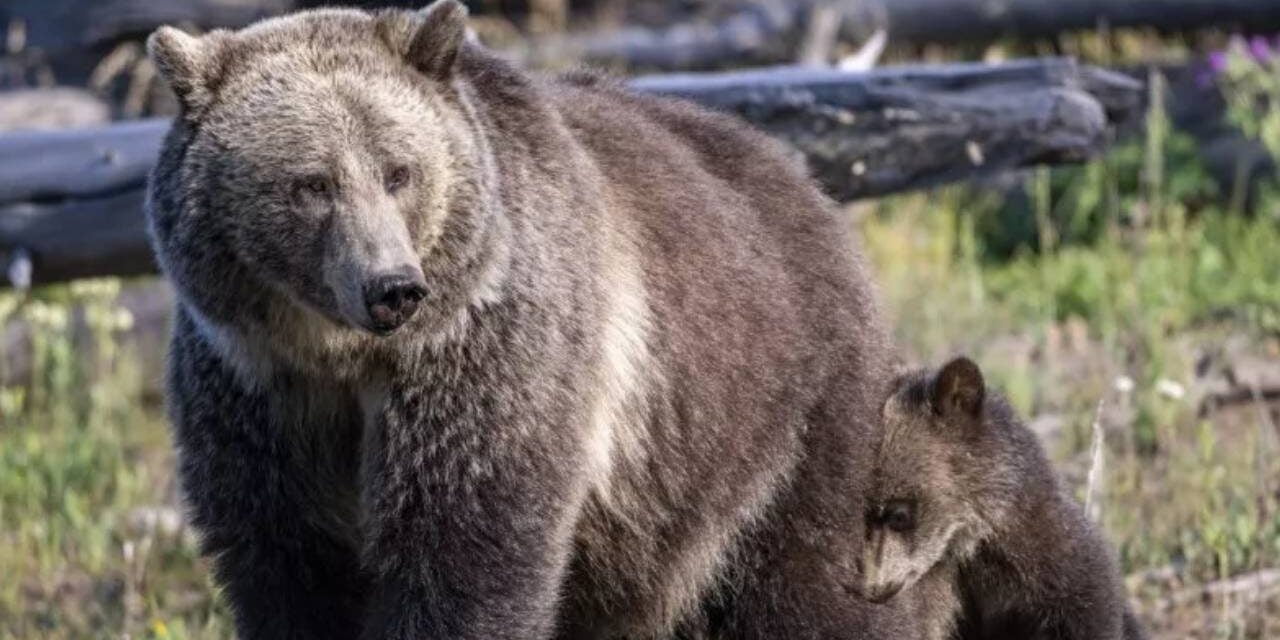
(958, 389)
(188, 63)
(438, 37)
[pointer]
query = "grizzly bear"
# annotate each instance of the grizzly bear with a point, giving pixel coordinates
(466, 352)
(965, 512)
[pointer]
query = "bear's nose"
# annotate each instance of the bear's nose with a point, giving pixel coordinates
(392, 299)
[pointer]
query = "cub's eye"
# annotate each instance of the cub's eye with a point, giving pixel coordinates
(397, 178)
(899, 515)
(313, 185)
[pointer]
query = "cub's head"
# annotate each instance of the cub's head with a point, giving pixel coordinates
(927, 499)
(317, 163)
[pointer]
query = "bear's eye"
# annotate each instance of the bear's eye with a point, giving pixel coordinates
(397, 178)
(899, 515)
(313, 185)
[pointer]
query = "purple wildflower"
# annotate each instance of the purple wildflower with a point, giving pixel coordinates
(1260, 49)
(1218, 61)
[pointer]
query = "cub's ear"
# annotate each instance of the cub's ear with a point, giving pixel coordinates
(188, 63)
(440, 33)
(958, 389)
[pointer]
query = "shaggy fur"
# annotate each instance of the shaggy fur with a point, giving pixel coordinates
(634, 402)
(966, 516)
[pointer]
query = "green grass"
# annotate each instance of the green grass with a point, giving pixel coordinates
(84, 461)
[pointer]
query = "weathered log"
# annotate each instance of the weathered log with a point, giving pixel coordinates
(956, 21)
(744, 34)
(73, 163)
(916, 127)
(45, 109)
(71, 200)
(73, 34)
(103, 236)
(768, 31)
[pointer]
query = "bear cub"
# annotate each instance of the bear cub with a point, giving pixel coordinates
(965, 509)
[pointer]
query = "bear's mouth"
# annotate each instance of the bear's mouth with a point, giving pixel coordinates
(882, 593)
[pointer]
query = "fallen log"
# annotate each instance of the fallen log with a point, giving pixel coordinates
(769, 31)
(51, 109)
(986, 20)
(82, 238)
(71, 201)
(742, 35)
(909, 128)
(83, 162)
(73, 35)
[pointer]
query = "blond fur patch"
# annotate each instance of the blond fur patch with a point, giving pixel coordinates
(252, 366)
(617, 421)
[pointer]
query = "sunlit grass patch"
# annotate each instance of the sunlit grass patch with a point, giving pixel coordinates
(91, 543)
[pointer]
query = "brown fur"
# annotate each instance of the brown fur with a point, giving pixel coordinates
(966, 516)
(634, 400)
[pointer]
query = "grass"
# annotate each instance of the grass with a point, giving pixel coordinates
(87, 542)
(1120, 283)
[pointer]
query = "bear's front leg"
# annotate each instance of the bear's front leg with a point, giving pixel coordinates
(276, 514)
(473, 485)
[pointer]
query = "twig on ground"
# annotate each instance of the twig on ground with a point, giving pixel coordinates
(1092, 501)
(1246, 589)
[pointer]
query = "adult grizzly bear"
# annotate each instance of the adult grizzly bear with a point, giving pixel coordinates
(465, 353)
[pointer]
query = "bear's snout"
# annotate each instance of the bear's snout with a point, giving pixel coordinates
(392, 299)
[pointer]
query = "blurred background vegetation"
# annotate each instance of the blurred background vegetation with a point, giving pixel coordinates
(1137, 295)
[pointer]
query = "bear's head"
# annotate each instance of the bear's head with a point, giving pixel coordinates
(940, 478)
(325, 162)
